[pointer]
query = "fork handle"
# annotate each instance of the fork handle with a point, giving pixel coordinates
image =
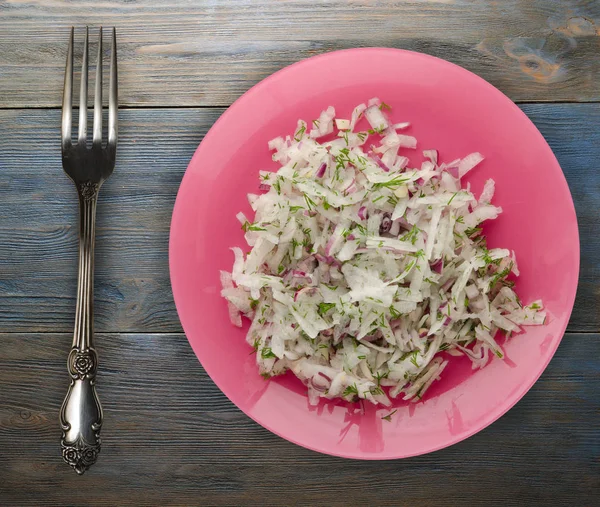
(81, 412)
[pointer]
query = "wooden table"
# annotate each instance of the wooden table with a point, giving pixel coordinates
(170, 437)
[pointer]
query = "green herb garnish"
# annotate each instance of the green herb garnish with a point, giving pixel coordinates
(391, 184)
(350, 390)
(298, 135)
(267, 353)
(389, 416)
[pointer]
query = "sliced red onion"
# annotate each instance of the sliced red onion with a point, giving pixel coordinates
(264, 186)
(438, 267)
(378, 161)
(305, 290)
(448, 284)
(317, 387)
(453, 170)
(395, 323)
(351, 237)
(332, 261)
(362, 213)
(308, 264)
(386, 224)
(443, 305)
(321, 170)
(330, 244)
(404, 223)
(447, 321)
(351, 188)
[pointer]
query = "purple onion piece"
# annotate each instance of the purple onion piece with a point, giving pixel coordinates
(453, 171)
(351, 188)
(329, 245)
(333, 261)
(448, 284)
(304, 290)
(386, 224)
(317, 387)
(362, 213)
(438, 267)
(378, 161)
(404, 223)
(321, 170)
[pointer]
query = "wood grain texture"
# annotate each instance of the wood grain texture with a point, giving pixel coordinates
(207, 53)
(170, 437)
(38, 216)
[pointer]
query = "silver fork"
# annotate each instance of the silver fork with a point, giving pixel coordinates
(81, 412)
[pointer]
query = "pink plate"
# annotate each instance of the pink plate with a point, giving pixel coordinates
(450, 109)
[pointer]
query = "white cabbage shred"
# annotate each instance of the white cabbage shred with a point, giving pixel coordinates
(365, 276)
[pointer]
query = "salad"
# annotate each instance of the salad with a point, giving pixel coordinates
(365, 275)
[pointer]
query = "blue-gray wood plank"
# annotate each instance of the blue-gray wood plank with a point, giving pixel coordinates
(38, 216)
(172, 438)
(208, 52)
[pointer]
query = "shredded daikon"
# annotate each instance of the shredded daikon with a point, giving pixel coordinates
(363, 272)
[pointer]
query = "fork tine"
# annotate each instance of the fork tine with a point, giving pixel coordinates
(113, 95)
(97, 136)
(83, 92)
(67, 97)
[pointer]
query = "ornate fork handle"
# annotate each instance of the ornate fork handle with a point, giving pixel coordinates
(81, 413)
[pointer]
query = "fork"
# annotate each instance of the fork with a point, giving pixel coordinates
(81, 412)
